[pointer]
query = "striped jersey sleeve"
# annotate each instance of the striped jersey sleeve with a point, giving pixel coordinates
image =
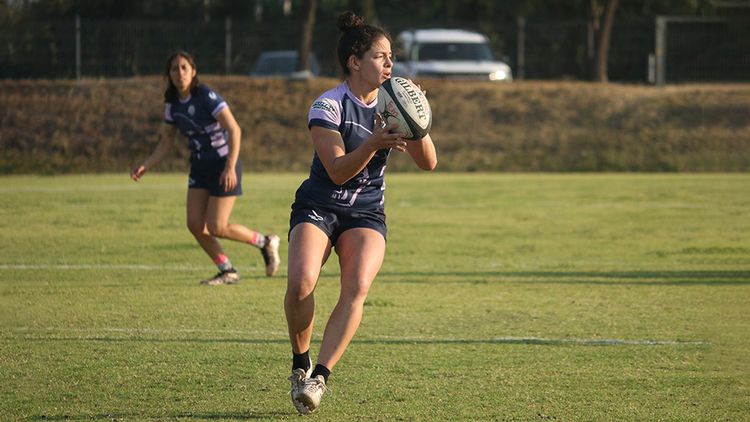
(325, 112)
(168, 114)
(214, 102)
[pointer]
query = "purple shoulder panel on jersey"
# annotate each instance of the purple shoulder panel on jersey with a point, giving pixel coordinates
(326, 109)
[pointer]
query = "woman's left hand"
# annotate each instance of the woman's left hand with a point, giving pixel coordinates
(228, 179)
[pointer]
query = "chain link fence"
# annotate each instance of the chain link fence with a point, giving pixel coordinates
(549, 49)
(703, 49)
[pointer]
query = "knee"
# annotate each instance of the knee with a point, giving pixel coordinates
(355, 291)
(196, 227)
(300, 288)
(216, 230)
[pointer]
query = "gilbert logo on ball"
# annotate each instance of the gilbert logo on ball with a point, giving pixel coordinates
(401, 101)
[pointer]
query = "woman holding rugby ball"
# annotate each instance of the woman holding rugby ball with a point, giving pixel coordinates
(340, 205)
(215, 180)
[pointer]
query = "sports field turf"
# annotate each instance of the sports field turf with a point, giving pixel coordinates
(503, 297)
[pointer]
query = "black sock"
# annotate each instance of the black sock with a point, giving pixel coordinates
(301, 360)
(321, 370)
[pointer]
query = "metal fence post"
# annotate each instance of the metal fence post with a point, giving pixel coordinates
(78, 47)
(661, 45)
(228, 46)
(521, 53)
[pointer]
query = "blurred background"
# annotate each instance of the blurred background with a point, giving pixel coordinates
(570, 85)
(703, 40)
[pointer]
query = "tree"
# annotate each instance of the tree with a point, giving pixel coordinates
(303, 62)
(599, 37)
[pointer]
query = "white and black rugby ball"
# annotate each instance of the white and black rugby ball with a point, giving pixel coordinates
(401, 101)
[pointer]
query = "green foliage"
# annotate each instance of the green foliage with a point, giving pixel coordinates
(385, 9)
(119, 38)
(502, 297)
(111, 125)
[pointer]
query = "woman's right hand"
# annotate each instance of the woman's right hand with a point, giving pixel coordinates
(383, 138)
(137, 172)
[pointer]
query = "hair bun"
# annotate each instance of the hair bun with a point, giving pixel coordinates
(348, 21)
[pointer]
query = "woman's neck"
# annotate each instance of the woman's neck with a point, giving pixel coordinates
(184, 95)
(361, 90)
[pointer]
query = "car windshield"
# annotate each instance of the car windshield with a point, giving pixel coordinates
(276, 65)
(453, 51)
(280, 65)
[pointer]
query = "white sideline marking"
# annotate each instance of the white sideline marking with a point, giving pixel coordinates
(140, 330)
(98, 266)
(90, 188)
(278, 335)
(558, 341)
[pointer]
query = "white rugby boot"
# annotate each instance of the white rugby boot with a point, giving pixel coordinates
(298, 378)
(311, 394)
(270, 254)
(224, 277)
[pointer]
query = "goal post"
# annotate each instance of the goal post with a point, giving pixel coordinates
(701, 49)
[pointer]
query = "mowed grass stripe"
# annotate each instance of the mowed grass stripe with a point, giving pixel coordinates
(502, 297)
(168, 334)
(718, 277)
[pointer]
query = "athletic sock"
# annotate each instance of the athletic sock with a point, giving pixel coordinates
(223, 263)
(321, 370)
(301, 360)
(258, 240)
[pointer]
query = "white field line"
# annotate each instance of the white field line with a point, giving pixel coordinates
(89, 333)
(144, 330)
(127, 330)
(117, 187)
(553, 341)
(91, 188)
(137, 267)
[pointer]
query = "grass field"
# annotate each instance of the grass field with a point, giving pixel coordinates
(503, 297)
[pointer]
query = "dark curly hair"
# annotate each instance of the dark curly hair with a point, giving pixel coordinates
(356, 39)
(170, 94)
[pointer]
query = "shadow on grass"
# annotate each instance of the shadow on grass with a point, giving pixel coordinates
(713, 278)
(396, 341)
(161, 340)
(539, 341)
(183, 415)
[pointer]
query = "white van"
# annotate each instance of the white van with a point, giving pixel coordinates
(447, 53)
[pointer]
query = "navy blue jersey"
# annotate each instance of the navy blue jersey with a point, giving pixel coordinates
(195, 117)
(339, 110)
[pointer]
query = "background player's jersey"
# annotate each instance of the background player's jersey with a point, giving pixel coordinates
(196, 119)
(338, 109)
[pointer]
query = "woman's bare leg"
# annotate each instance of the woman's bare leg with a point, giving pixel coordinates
(361, 253)
(309, 249)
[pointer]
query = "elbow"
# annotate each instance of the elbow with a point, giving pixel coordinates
(337, 175)
(429, 165)
(338, 180)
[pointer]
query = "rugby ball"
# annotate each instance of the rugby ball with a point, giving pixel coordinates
(401, 101)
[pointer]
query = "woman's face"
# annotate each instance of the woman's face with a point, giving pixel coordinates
(181, 73)
(376, 64)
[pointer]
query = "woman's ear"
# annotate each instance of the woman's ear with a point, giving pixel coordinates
(353, 62)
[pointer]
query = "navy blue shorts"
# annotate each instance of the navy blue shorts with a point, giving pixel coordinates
(335, 220)
(206, 174)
